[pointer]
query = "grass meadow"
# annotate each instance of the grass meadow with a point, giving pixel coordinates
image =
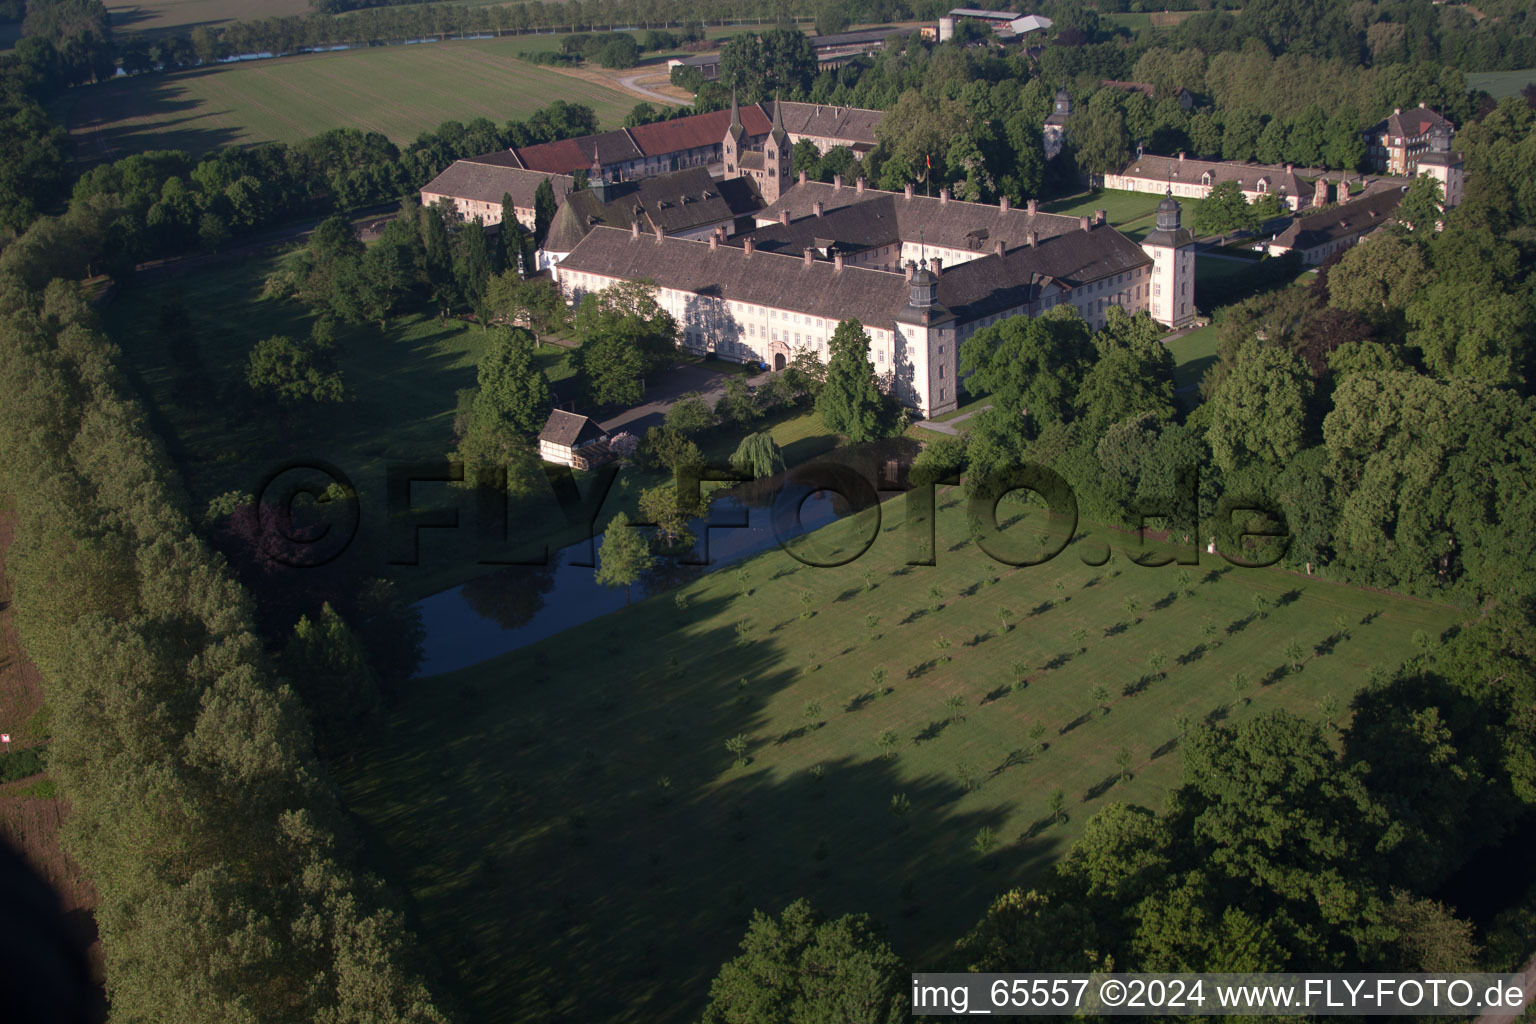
(1499, 84)
(402, 386)
(1134, 213)
(399, 91)
(579, 842)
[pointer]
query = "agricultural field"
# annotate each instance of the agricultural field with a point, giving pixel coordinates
(870, 737)
(158, 16)
(399, 91)
(1499, 84)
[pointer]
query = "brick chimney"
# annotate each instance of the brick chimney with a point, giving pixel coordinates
(816, 207)
(634, 229)
(837, 182)
(837, 261)
(1034, 239)
(714, 242)
(659, 233)
(1085, 222)
(997, 247)
(1320, 193)
(802, 177)
(1032, 207)
(810, 255)
(908, 190)
(1181, 156)
(935, 265)
(746, 245)
(909, 270)
(858, 186)
(784, 217)
(1002, 204)
(1098, 216)
(943, 195)
(1289, 168)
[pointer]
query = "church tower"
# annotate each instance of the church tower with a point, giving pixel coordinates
(735, 137)
(1172, 249)
(777, 158)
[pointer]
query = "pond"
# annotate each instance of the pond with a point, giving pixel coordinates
(519, 605)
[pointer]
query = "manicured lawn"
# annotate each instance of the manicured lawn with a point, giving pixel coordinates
(1499, 84)
(1134, 213)
(1194, 353)
(400, 91)
(403, 387)
(578, 844)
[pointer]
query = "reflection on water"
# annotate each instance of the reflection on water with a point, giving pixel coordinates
(516, 606)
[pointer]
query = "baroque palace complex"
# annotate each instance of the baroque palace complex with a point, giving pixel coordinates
(756, 265)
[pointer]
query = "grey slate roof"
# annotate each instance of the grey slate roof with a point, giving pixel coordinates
(828, 121)
(1191, 171)
(1411, 123)
(481, 181)
(732, 274)
(675, 202)
(569, 429)
(983, 286)
(1355, 217)
(878, 218)
(970, 290)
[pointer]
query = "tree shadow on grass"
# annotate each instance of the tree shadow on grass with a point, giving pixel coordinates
(997, 693)
(1274, 675)
(1080, 720)
(1042, 608)
(1192, 655)
(1041, 825)
(933, 730)
(1165, 601)
(1059, 661)
(914, 616)
(1101, 787)
(1220, 713)
(918, 671)
(1289, 597)
(859, 702)
(1167, 747)
(1116, 629)
(848, 595)
(977, 640)
(1236, 626)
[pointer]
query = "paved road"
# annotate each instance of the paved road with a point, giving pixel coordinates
(951, 427)
(1510, 1016)
(663, 393)
(632, 83)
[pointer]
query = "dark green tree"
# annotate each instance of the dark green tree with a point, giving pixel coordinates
(849, 402)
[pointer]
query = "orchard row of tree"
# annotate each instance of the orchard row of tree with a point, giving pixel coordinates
(226, 871)
(1283, 849)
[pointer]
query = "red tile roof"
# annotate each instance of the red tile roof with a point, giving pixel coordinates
(651, 140)
(696, 130)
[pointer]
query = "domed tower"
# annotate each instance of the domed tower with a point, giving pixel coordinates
(926, 329)
(1172, 248)
(1055, 130)
(777, 158)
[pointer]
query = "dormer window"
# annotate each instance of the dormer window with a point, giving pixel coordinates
(1205, 179)
(1263, 186)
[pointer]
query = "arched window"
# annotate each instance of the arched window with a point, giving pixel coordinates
(1205, 179)
(1263, 185)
